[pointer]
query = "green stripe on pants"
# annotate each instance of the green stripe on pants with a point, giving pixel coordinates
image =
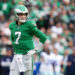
(32, 65)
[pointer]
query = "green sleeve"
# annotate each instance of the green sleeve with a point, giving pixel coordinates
(35, 31)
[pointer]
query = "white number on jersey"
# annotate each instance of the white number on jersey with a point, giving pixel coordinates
(17, 40)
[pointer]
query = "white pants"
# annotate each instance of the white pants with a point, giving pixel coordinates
(21, 63)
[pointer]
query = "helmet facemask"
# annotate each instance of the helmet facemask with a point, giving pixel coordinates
(24, 17)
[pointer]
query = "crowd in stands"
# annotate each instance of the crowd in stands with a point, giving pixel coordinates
(55, 18)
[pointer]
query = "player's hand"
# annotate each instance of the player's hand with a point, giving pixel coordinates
(31, 52)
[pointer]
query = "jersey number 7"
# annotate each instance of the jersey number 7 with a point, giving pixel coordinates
(17, 40)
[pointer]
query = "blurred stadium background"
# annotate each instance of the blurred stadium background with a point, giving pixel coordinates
(55, 18)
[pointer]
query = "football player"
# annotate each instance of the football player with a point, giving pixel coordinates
(22, 31)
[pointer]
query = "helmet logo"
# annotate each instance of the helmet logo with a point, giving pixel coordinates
(18, 10)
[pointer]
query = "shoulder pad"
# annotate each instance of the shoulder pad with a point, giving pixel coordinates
(31, 23)
(11, 25)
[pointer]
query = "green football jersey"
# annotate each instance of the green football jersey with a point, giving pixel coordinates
(22, 36)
